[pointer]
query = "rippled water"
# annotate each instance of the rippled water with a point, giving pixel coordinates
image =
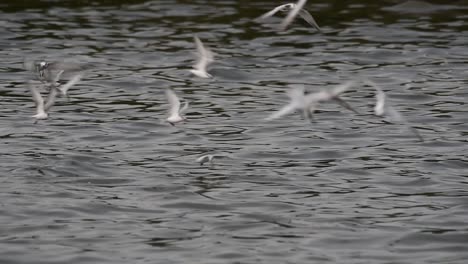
(106, 180)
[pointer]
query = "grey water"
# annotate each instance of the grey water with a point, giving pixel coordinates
(106, 180)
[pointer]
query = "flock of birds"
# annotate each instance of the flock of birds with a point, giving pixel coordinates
(50, 74)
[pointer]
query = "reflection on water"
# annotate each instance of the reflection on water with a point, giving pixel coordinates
(106, 180)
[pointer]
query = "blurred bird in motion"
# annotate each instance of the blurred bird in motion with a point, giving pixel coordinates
(384, 108)
(308, 103)
(175, 111)
(205, 58)
(293, 10)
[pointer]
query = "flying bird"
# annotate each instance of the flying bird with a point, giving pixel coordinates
(48, 71)
(383, 108)
(297, 102)
(309, 102)
(281, 8)
(205, 57)
(175, 112)
(42, 108)
(333, 94)
(294, 10)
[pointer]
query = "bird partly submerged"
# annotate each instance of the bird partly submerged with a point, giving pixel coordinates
(308, 103)
(175, 111)
(204, 58)
(384, 108)
(294, 10)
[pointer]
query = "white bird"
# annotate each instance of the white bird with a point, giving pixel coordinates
(40, 69)
(298, 102)
(175, 112)
(47, 72)
(205, 57)
(332, 94)
(304, 14)
(294, 10)
(309, 102)
(292, 14)
(282, 8)
(383, 108)
(205, 158)
(41, 107)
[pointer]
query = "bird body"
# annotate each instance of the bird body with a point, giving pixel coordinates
(309, 102)
(205, 158)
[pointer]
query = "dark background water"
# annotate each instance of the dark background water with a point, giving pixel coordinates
(106, 180)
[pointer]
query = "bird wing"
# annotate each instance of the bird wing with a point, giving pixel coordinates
(314, 98)
(185, 107)
(74, 80)
(341, 88)
(344, 104)
(380, 99)
(289, 108)
(205, 56)
(394, 115)
(174, 102)
(304, 14)
(337, 90)
(50, 99)
(57, 77)
(67, 66)
(37, 97)
(272, 12)
(292, 14)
